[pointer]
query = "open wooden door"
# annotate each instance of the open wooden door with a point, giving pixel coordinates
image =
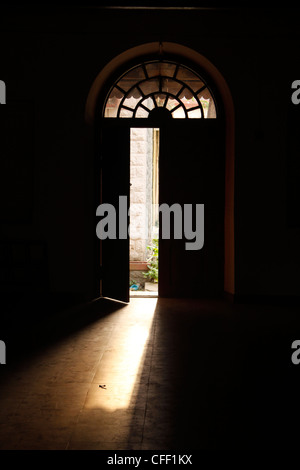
(192, 162)
(115, 173)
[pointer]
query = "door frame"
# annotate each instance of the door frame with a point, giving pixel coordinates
(161, 124)
(198, 62)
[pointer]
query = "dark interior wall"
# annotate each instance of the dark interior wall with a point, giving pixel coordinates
(49, 61)
(267, 247)
(42, 73)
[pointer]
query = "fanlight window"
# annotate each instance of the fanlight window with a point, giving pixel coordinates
(160, 84)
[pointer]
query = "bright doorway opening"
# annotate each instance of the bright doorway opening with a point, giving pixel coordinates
(144, 213)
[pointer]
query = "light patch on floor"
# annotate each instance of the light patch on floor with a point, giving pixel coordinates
(57, 399)
(122, 363)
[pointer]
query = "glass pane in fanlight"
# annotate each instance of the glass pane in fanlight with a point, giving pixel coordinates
(189, 78)
(167, 69)
(149, 103)
(212, 112)
(171, 86)
(110, 111)
(188, 99)
(194, 114)
(208, 104)
(152, 69)
(113, 102)
(171, 103)
(132, 99)
(156, 69)
(141, 113)
(149, 86)
(134, 93)
(160, 99)
(179, 113)
(186, 94)
(131, 78)
(125, 113)
(115, 93)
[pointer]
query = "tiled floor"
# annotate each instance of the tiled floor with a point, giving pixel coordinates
(154, 374)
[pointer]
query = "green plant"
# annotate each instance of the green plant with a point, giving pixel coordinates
(152, 261)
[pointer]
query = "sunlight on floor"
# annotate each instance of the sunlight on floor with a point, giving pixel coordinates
(123, 362)
(57, 398)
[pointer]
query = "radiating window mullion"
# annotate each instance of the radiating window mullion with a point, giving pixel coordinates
(180, 91)
(154, 80)
(141, 91)
(127, 107)
(176, 107)
(166, 100)
(145, 71)
(120, 89)
(200, 89)
(145, 107)
(176, 70)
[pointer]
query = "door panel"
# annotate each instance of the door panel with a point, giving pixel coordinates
(192, 172)
(115, 172)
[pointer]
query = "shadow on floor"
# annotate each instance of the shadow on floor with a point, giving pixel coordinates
(214, 375)
(221, 377)
(34, 322)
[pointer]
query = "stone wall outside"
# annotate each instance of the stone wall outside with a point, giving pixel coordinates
(140, 192)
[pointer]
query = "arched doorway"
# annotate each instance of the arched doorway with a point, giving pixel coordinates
(194, 162)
